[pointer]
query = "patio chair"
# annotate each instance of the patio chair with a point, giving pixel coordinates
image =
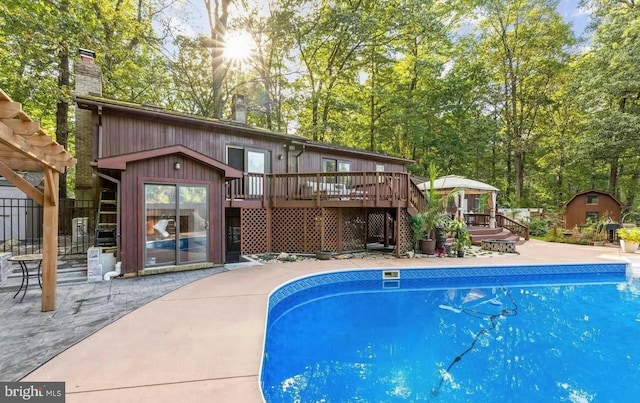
(160, 229)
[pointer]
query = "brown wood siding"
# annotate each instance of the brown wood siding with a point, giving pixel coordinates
(161, 170)
(311, 161)
(577, 209)
(124, 134)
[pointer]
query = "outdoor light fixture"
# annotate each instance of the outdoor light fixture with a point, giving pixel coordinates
(279, 156)
(176, 165)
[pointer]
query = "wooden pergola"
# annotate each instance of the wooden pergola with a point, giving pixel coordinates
(24, 146)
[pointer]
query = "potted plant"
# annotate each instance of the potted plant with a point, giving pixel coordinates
(428, 241)
(629, 238)
(441, 226)
(461, 237)
(435, 219)
(417, 228)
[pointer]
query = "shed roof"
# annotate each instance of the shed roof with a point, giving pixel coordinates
(602, 192)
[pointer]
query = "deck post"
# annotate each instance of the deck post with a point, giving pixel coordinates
(50, 240)
(386, 229)
(399, 235)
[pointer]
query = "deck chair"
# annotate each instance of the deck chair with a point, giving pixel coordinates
(160, 229)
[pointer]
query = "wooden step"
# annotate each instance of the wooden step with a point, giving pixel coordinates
(495, 233)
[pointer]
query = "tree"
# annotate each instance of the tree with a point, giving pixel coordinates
(41, 38)
(525, 45)
(610, 93)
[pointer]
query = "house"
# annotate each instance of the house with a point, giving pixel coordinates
(177, 191)
(591, 205)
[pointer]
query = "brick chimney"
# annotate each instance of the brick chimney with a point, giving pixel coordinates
(239, 109)
(88, 78)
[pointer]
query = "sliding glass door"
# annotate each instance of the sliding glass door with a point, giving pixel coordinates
(177, 224)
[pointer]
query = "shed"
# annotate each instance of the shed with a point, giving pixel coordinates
(591, 204)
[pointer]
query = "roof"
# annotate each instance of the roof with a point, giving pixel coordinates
(455, 181)
(24, 145)
(93, 102)
(602, 192)
(120, 161)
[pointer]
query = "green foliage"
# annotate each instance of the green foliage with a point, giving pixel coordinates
(461, 236)
(417, 228)
(539, 226)
(629, 234)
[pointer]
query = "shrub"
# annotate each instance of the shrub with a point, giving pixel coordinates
(539, 226)
(629, 234)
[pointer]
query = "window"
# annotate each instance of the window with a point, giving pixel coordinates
(592, 200)
(379, 167)
(592, 216)
(332, 165)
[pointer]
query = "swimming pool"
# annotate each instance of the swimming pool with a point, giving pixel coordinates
(526, 333)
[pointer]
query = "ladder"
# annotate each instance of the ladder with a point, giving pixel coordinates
(107, 218)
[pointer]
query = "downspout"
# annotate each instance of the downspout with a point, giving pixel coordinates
(297, 156)
(117, 182)
(99, 131)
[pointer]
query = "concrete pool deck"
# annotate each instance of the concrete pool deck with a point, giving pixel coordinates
(203, 341)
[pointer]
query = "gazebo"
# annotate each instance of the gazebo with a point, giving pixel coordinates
(24, 146)
(465, 187)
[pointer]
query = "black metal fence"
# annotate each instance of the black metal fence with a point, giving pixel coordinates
(21, 226)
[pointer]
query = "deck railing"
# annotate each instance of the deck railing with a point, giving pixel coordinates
(370, 188)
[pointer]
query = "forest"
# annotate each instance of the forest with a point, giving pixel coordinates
(501, 91)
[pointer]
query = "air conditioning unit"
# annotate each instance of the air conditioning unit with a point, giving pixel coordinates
(79, 230)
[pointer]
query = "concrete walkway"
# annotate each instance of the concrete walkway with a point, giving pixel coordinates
(203, 341)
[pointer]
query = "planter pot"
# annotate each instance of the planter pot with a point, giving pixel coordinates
(460, 253)
(428, 246)
(324, 255)
(628, 247)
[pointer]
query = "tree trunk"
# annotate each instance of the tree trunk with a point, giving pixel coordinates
(613, 176)
(217, 27)
(518, 165)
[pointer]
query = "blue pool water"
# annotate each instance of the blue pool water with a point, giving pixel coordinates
(534, 333)
(186, 243)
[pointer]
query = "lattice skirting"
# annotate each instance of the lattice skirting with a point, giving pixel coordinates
(303, 230)
(253, 231)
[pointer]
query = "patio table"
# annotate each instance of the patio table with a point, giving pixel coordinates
(22, 261)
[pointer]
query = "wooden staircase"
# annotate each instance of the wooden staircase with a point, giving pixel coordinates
(481, 233)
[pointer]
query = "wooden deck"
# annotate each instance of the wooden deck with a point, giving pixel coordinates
(327, 189)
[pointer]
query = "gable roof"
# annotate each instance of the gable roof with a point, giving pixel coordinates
(155, 112)
(602, 192)
(120, 161)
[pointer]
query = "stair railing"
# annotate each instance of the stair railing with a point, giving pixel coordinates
(513, 226)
